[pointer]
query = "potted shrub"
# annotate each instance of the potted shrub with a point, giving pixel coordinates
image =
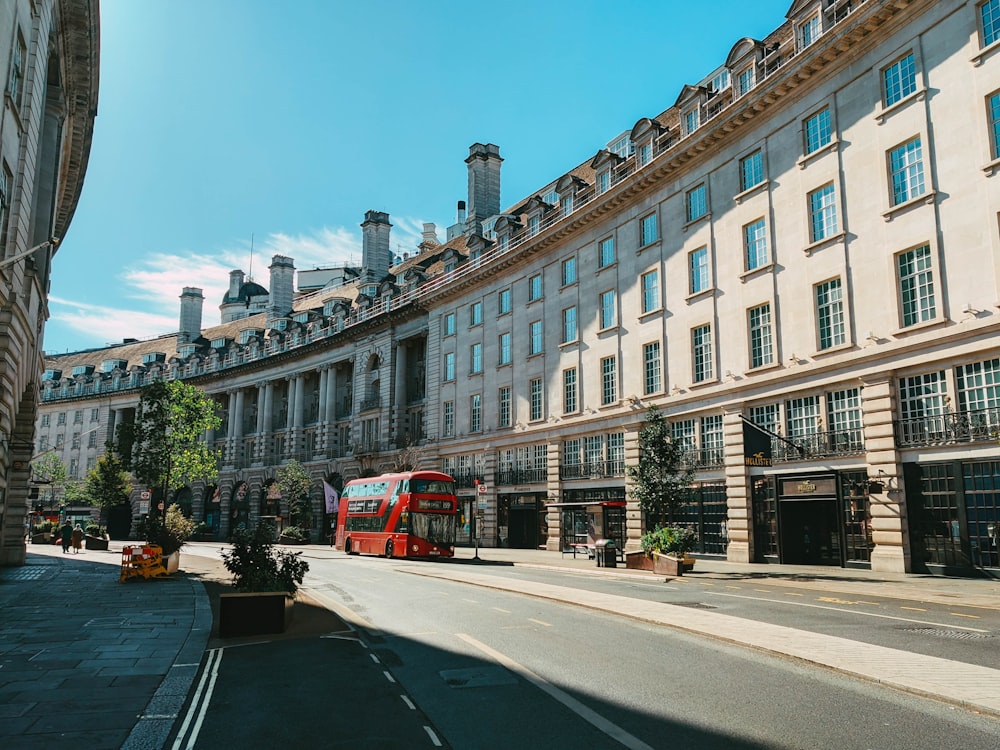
(41, 533)
(96, 537)
(265, 580)
(293, 535)
(668, 546)
(170, 532)
(202, 533)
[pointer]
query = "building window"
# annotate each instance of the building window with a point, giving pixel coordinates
(43, 443)
(808, 32)
(989, 17)
(476, 314)
(751, 170)
(802, 416)
(979, 387)
(15, 83)
(61, 418)
(697, 203)
(899, 80)
(503, 302)
(60, 440)
(603, 181)
(698, 268)
(46, 419)
(569, 391)
(534, 223)
(566, 204)
(609, 380)
(830, 314)
(690, 121)
(755, 243)
(993, 112)
(76, 441)
(712, 435)
(448, 324)
(608, 312)
(5, 181)
(475, 359)
(448, 419)
(701, 353)
(765, 416)
(606, 252)
(822, 213)
(648, 232)
(78, 416)
(74, 468)
(476, 413)
(503, 406)
(535, 288)
(503, 344)
(906, 169)
(745, 81)
(569, 332)
(818, 131)
(645, 153)
(682, 433)
(916, 285)
(535, 399)
(569, 271)
(92, 440)
(652, 368)
(923, 395)
(449, 366)
(651, 291)
(95, 415)
(843, 413)
(761, 345)
(535, 337)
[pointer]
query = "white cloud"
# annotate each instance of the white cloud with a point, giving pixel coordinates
(150, 290)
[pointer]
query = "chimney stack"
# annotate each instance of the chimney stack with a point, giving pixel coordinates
(235, 282)
(282, 285)
(190, 324)
(429, 236)
(484, 185)
(376, 256)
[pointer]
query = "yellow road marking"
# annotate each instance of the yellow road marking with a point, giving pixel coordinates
(540, 622)
(792, 593)
(959, 614)
(914, 609)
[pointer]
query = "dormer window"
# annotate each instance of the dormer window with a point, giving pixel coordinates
(488, 225)
(52, 375)
(250, 333)
(281, 324)
(745, 81)
(720, 81)
(186, 350)
(327, 311)
(220, 343)
(622, 146)
(302, 318)
(603, 181)
(566, 204)
(110, 365)
(551, 197)
(534, 225)
(808, 32)
(151, 358)
(691, 121)
(645, 153)
(83, 370)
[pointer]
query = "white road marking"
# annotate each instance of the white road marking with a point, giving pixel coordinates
(609, 728)
(434, 737)
(408, 702)
(540, 622)
(199, 704)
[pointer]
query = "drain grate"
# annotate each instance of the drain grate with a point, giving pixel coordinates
(962, 635)
(693, 605)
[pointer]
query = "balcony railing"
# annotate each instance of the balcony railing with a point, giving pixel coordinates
(819, 445)
(595, 469)
(506, 477)
(979, 426)
(703, 458)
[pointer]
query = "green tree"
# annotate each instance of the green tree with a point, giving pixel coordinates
(164, 447)
(295, 484)
(107, 484)
(660, 482)
(49, 469)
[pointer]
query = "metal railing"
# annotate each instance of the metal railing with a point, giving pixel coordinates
(819, 445)
(978, 426)
(592, 470)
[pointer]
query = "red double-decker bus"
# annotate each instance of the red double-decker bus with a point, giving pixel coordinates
(411, 514)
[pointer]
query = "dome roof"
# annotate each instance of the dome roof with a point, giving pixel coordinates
(247, 290)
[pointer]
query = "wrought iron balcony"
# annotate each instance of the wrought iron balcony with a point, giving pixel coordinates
(979, 426)
(704, 458)
(819, 445)
(372, 402)
(596, 469)
(507, 477)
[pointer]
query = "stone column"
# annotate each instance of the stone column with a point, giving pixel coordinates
(330, 415)
(887, 508)
(738, 497)
(241, 458)
(324, 374)
(258, 449)
(231, 428)
(398, 409)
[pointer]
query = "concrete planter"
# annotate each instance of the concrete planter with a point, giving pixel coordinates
(95, 542)
(259, 613)
(44, 538)
(172, 562)
(665, 565)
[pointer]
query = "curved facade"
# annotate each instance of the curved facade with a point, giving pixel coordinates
(50, 64)
(796, 262)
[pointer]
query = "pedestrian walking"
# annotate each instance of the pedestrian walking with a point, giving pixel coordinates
(77, 537)
(66, 535)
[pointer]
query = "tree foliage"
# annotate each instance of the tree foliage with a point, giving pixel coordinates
(164, 447)
(295, 484)
(257, 566)
(660, 482)
(107, 484)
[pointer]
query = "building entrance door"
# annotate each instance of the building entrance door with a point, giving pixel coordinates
(809, 526)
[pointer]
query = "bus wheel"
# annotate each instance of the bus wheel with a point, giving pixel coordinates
(388, 548)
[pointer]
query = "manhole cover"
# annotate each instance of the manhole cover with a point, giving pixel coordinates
(693, 605)
(26, 573)
(963, 635)
(477, 677)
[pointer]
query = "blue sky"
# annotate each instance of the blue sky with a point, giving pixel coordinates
(222, 120)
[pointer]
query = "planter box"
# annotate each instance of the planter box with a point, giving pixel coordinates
(254, 614)
(665, 565)
(44, 538)
(638, 561)
(172, 562)
(95, 542)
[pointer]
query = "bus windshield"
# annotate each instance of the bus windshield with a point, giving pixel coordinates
(436, 528)
(432, 486)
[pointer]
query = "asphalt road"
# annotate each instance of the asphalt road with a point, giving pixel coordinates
(491, 669)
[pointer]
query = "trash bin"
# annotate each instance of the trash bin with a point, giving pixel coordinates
(605, 553)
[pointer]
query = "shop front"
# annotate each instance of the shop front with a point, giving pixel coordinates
(521, 520)
(588, 516)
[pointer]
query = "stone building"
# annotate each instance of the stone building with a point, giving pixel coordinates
(49, 64)
(797, 262)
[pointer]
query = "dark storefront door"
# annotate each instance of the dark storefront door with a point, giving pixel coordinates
(523, 528)
(810, 532)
